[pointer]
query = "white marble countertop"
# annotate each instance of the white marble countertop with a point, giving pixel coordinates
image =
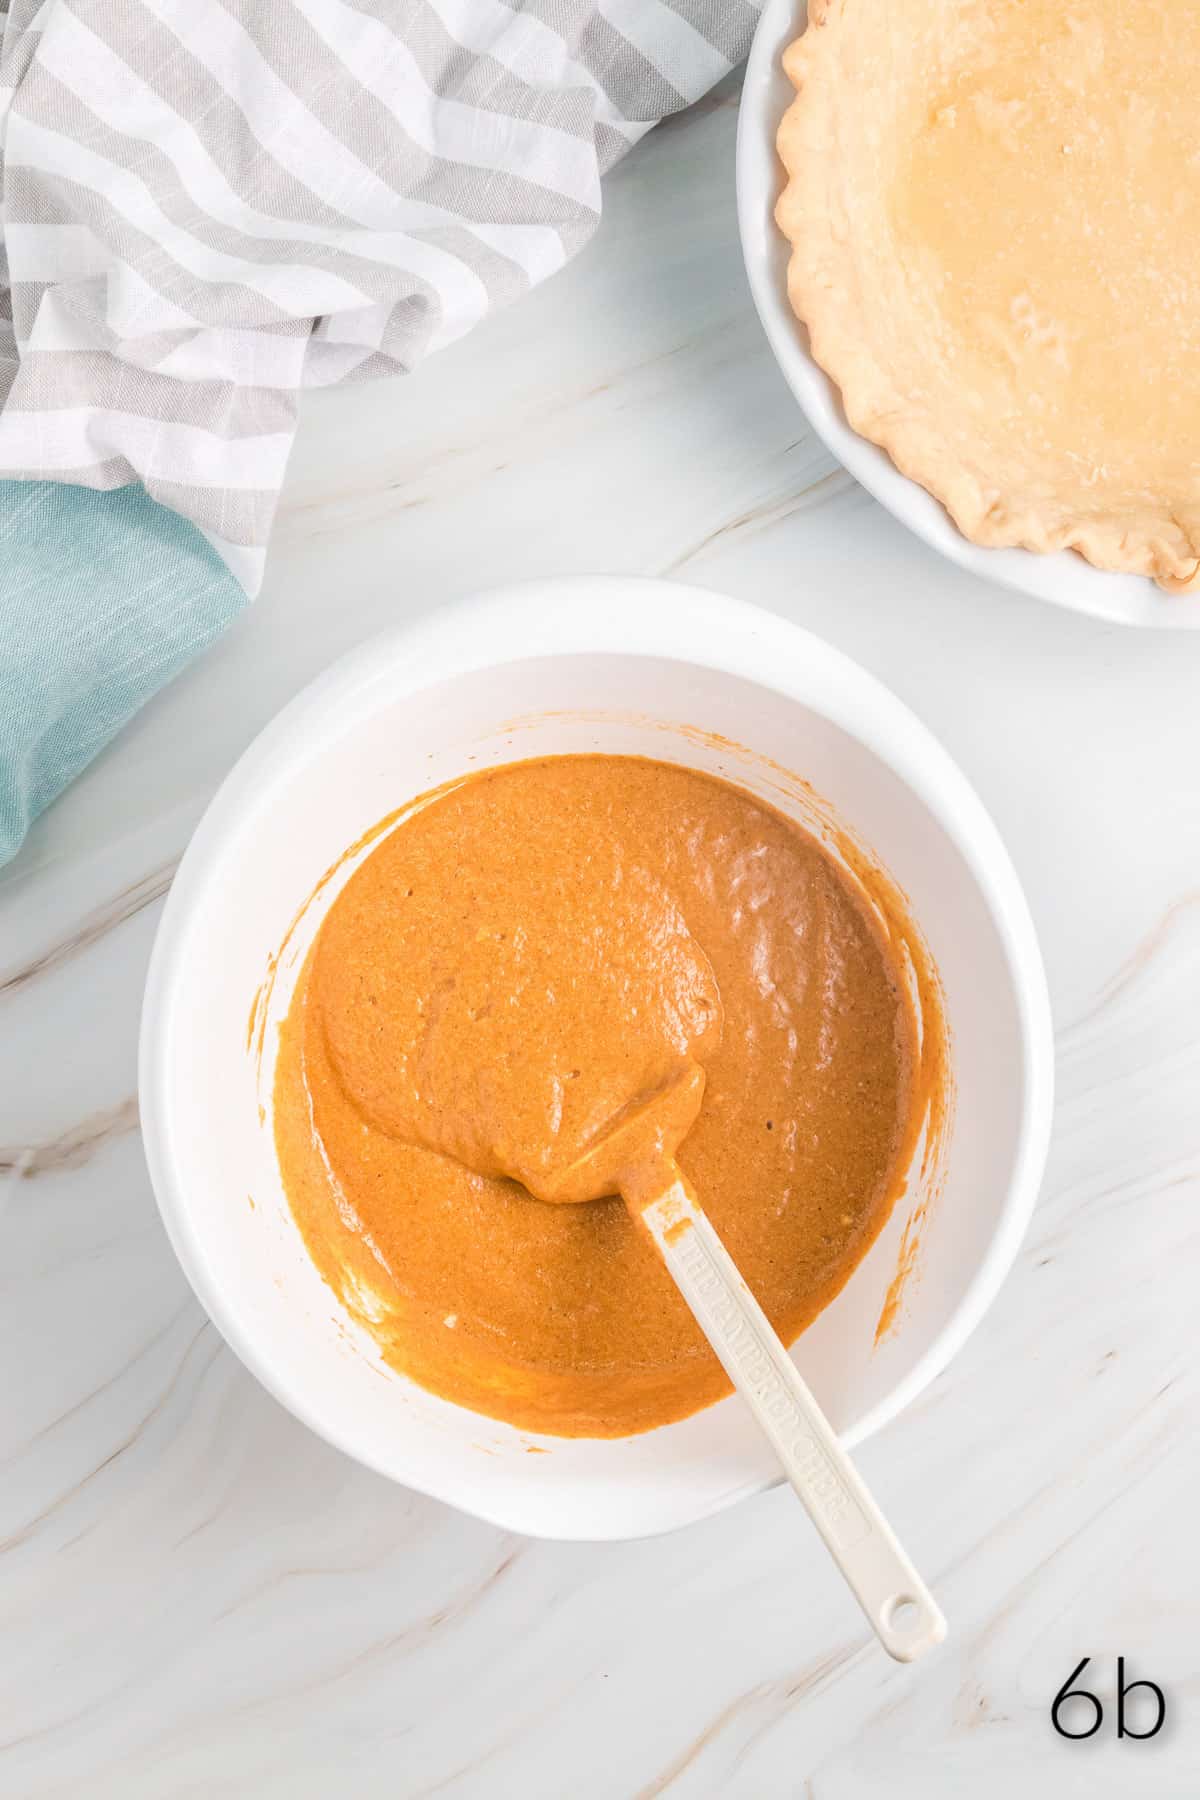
(199, 1598)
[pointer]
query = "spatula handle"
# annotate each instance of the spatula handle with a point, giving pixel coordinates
(901, 1610)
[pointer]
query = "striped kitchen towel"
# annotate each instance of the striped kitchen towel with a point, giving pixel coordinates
(209, 205)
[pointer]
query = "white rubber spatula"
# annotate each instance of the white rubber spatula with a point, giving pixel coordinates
(903, 1613)
(635, 1157)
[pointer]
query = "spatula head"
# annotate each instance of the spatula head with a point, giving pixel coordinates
(634, 1154)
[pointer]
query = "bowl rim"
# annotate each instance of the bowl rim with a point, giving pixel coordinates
(598, 615)
(1061, 578)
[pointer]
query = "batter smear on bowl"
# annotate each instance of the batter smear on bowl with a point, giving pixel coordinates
(531, 955)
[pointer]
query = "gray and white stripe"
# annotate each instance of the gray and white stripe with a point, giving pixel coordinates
(211, 204)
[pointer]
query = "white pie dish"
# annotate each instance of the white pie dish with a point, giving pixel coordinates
(1064, 578)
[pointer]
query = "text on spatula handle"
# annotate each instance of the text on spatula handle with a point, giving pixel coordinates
(840, 1515)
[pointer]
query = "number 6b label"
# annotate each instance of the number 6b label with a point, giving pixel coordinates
(1078, 1713)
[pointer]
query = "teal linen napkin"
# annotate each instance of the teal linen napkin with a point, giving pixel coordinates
(106, 595)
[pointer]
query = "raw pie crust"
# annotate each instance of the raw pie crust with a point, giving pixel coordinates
(994, 213)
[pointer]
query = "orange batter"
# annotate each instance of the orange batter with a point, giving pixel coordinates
(533, 954)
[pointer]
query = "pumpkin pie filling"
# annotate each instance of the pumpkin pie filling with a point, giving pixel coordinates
(523, 957)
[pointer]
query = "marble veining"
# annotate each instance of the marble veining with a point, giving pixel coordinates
(101, 920)
(199, 1598)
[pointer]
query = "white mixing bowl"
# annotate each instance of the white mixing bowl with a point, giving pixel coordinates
(577, 665)
(1064, 578)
